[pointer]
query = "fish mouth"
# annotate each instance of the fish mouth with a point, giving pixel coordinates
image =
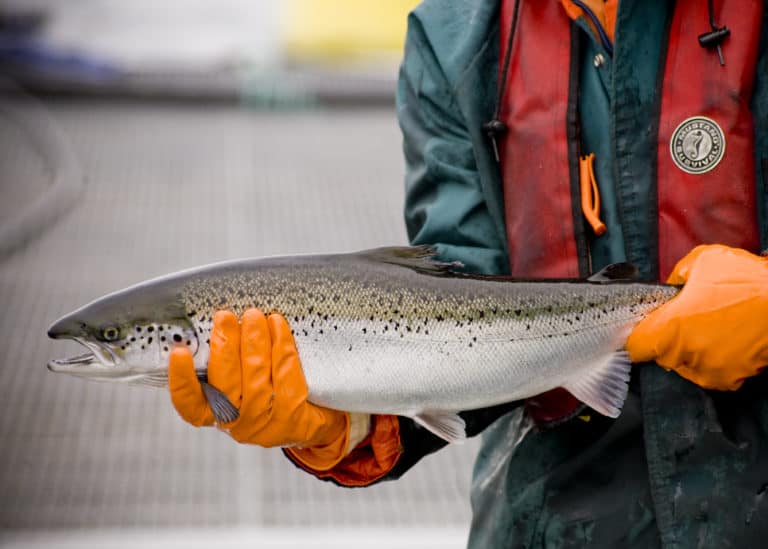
(62, 364)
(98, 358)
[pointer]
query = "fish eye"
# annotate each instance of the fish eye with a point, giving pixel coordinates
(110, 333)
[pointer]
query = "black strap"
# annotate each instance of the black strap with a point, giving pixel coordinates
(494, 128)
(715, 37)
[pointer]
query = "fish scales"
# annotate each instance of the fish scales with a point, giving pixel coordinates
(393, 331)
(370, 324)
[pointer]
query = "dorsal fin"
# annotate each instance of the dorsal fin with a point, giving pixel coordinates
(615, 272)
(418, 258)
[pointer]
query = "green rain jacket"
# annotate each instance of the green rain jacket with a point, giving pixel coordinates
(681, 467)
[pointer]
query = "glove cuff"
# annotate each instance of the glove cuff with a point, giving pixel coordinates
(366, 462)
(321, 457)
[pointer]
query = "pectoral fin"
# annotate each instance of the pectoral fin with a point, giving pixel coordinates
(223, 410)
(447, 425)
(605, 386)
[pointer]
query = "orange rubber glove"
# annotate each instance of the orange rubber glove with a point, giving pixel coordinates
(256, 365)
(715, 331)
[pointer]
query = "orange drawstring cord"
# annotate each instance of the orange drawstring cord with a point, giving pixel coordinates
(590, 195)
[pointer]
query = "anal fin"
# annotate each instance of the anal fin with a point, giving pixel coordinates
(447, 425)
(605, 386)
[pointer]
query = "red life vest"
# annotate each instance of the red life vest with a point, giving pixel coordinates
(539, 164)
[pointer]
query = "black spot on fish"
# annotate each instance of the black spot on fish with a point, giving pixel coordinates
(138, 328)
(133, 338)
(192, 313)
(439, 318)
(350, 347)
(149, 341)
(518, 312)
(295, 318)
(177, 338)
(142, 347)
(160, 328)
(151, 329)
(426, 332)
(321, 330)
(189, 342)
(122, 347)
(165, 349)
(527, 326)
(162, 338)
(365, 330)
(335, 327)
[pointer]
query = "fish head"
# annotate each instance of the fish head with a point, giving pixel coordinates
(128, 336)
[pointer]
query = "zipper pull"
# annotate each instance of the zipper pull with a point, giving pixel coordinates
(590, 194)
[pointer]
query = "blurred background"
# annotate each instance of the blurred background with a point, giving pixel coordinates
(139, 138)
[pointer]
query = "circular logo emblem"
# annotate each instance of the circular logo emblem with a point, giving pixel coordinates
(697, 145)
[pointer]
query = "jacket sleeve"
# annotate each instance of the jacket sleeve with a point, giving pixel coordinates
(445, 207)
(444, 202)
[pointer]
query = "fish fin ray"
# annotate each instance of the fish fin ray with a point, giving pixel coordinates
(605, 388)
(419, 258)
(447, 425)
(223, 410)
(615, 272)
(159, 379)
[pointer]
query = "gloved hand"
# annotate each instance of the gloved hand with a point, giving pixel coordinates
(256, 365)
(715, 331)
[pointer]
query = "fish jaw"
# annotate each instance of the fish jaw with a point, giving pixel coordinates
(99, 355)
(100, 362)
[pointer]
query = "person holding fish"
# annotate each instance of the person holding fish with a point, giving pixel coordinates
(548, 140)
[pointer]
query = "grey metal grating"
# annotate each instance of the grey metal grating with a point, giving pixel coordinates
(169, 188)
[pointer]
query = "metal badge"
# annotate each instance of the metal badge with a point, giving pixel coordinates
(697, 145)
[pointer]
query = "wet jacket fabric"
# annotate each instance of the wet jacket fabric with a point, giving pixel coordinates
(681, 467)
